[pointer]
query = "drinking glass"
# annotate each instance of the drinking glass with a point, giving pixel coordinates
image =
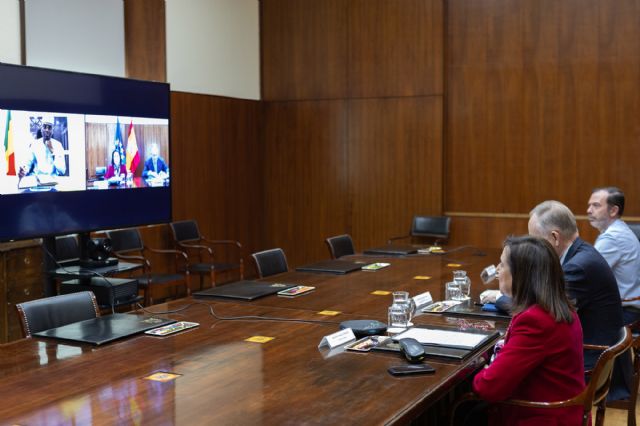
(452, 291)
(464, 283)
(398, 316)
(488, 274)
(402, 298)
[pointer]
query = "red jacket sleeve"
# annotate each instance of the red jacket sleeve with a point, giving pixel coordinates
(522, 353)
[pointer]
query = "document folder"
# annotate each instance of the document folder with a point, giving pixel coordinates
(243, 290)
(101, 330)
(331, 267)
(392, 250)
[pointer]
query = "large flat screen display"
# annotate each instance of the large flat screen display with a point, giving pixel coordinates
(81, 152)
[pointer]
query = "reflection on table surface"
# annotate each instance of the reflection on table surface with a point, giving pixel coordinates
(224, 379)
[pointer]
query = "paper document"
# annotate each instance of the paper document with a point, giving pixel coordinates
(442, 306)
(443, 338)
(32, 181)
(46, 180)
(28, 182)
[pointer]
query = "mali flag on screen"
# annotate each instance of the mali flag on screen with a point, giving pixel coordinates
(133, 157)
(9, 153)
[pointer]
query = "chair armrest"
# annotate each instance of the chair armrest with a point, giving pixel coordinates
(397, 238)
(228, 243)
(196, 247)
(168, 251)
(595, 347)
(220, 242)
(536, 404)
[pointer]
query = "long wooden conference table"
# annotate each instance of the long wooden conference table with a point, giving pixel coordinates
(221, 378)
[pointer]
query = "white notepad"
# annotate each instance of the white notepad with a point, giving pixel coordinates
(428, 336)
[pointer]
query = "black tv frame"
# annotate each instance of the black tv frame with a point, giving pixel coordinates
(47, 214)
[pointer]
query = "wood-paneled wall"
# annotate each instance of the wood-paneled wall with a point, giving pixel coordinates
(217, 172)
(145, 39)
(305, 182)
(395, 48)
(353, 120)
(395, 165)
(542, 103)
(304, 49)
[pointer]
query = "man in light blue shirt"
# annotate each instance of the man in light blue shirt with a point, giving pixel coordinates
(618, 245)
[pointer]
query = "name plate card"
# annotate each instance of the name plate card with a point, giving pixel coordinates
(338, 338)
(423, 299)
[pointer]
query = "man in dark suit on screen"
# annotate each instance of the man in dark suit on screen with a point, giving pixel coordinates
(590, 285)
(155, 166)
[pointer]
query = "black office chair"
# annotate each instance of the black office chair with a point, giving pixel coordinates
(67, 249)
(187, 237)
(127, 244)
(67, 253)
(270, 262)
(435, 227)
(51, 312)
(635, 227)
(340, 245)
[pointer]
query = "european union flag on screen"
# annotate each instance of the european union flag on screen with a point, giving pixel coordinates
(118, 145)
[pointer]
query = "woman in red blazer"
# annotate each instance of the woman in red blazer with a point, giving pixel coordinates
(116, 168)
(541, 358)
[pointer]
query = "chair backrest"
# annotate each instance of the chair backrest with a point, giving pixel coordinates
(126, 240)
(598, 387)
(430, 226)
(51, 312)
(67, 249)
(185, 231)
(270, 262)
(635, 227)
(340, 245)
(596, 391)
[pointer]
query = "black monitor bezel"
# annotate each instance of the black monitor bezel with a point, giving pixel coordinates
(42, 89)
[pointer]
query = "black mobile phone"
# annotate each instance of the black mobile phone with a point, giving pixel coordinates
(403, 370)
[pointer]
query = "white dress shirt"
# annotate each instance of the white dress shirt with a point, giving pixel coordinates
(621, 248)
(43, 161)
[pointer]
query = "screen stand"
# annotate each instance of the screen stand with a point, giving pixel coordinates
(50, 264)
(83, 241)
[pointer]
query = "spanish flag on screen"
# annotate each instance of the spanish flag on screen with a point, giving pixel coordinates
(9, 153)
(133, 157)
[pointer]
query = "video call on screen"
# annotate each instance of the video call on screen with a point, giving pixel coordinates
(59, 151)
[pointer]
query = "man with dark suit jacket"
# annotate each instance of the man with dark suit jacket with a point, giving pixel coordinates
(155, 166)
(590, 284)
